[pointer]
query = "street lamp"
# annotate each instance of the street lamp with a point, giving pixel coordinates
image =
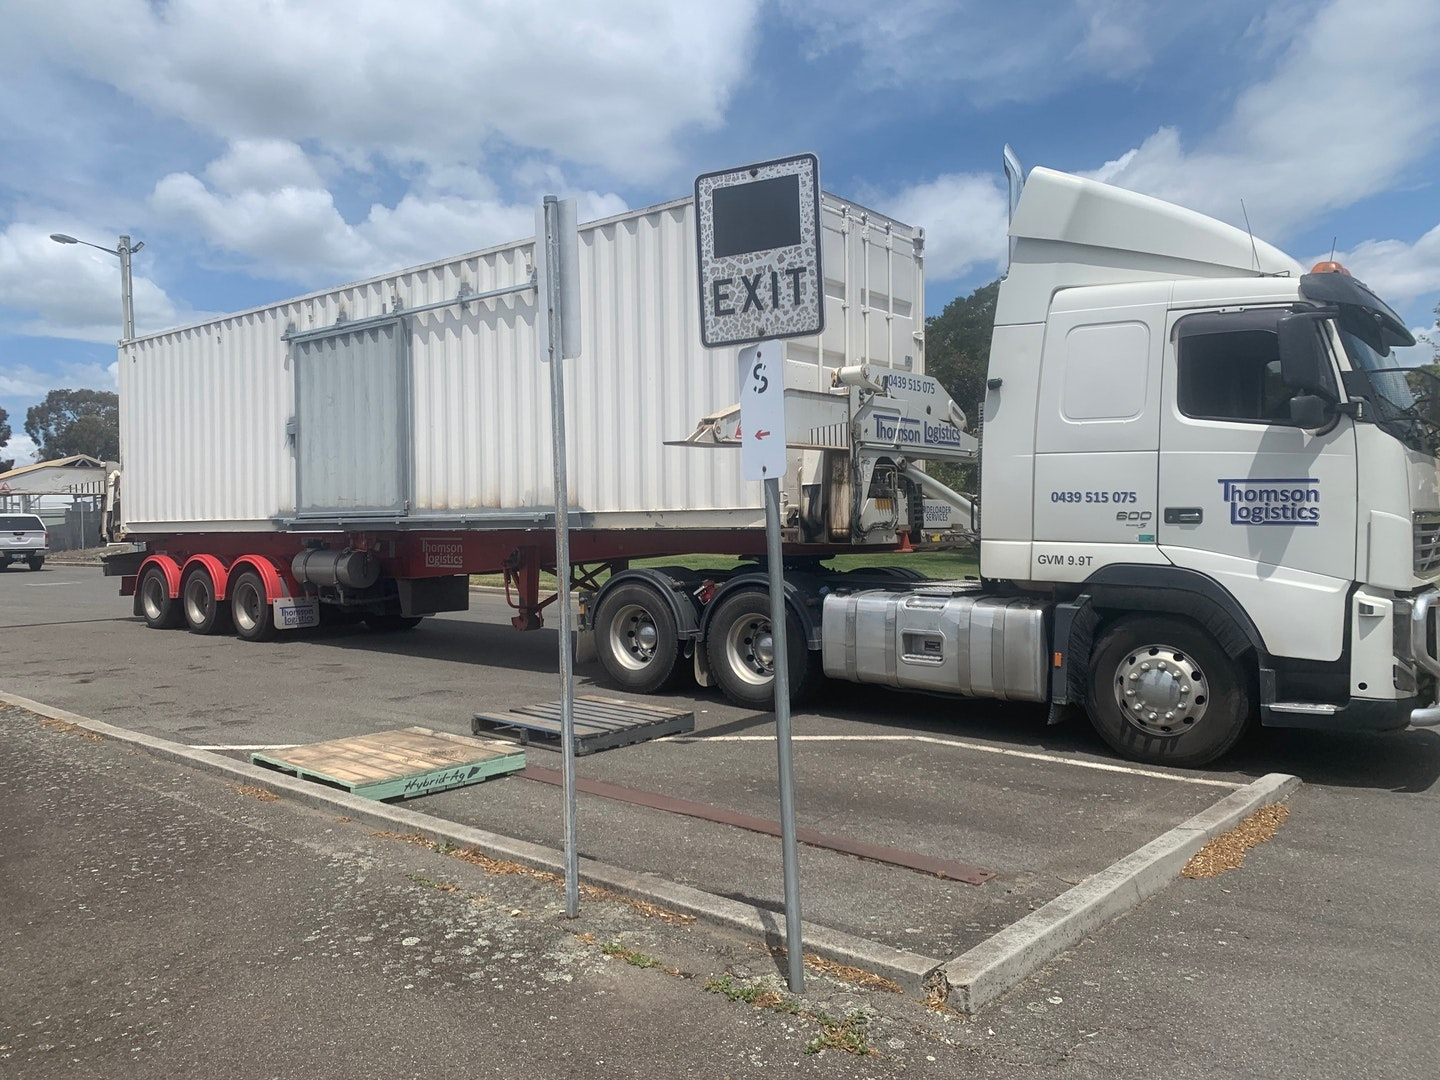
(124, 251)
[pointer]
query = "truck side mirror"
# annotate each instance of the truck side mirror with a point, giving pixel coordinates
(1309, 411)
(1304, 362)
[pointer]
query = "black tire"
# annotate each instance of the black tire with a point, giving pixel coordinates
(37, 562)
(636, 640)
(736, 645)
(160, 610)
(203, 613)
(250, 608)
(389, 624)
(1194, 702)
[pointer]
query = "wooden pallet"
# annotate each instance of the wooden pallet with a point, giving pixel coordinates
(600, 723)
(397, 764)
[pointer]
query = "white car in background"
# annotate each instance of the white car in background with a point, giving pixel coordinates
(23, 537)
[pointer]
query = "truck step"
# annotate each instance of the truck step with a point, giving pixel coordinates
(397, 764)
(600, 723)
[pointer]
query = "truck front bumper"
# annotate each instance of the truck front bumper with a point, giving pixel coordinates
(1424, 643)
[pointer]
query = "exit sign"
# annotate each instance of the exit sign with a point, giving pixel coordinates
(758, 237)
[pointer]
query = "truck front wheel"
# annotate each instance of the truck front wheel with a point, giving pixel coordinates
(742, 651)
(636, 640)
(1163, 692)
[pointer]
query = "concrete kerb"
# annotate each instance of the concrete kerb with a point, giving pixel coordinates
(1003, 960)
(971, 980)
(910, 971)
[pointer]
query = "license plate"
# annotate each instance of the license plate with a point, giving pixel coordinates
(296, 614)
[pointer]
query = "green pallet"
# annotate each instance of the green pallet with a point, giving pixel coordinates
(397, 764)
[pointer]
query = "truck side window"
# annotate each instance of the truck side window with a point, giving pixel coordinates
(1229, 367)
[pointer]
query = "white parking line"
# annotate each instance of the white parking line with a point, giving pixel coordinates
(47, 584)
(1099, 766)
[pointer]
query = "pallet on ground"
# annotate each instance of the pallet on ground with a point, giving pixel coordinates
(600, 723)
(397, 764)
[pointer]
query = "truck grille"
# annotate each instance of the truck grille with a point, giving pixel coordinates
(1427, 542)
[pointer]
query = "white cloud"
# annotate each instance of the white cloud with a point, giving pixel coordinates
(25, 381)
(964, 216)
(1349, 107)
(1397, 271)
(20, 448)
(608, 83)
(72, 290)
(1018, 51)
(265, 201)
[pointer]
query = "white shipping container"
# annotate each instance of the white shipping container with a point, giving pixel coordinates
(340, 408)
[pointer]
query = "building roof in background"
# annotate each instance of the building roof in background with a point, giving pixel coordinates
(63, 476)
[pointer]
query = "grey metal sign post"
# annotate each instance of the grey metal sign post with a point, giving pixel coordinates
(557, 321)
(758, 237)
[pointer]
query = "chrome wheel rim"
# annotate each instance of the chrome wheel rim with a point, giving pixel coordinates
(1161, 690)
(245, 605)
(154, 597)
(751, 649)
(199, 601)
(634, 637)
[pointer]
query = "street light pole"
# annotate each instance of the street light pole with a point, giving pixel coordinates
(127, 292)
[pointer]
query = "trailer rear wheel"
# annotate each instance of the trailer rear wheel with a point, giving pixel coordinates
(203, 613)
(250, 608)
(636, 640)
(160, 611)
(1162, 691)
(742, 651)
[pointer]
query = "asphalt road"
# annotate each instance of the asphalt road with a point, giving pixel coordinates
(1308, 961)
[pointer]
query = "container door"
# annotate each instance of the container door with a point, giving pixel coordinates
(351, 427)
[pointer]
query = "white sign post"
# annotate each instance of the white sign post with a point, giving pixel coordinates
(758, 233)
(557, 322)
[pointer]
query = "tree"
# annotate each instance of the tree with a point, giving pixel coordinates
(957, 352)
(76, 422)
(6, 464)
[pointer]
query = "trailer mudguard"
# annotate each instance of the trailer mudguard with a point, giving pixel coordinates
(802, 596)
(214, 567)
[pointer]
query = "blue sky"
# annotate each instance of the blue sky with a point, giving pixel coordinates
(264, 149)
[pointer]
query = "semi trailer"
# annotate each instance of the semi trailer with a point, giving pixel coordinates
(1208, 492)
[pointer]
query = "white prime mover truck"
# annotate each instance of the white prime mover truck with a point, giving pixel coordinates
(1207, 491)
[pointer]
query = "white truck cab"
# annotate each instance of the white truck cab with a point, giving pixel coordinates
(1212, 463)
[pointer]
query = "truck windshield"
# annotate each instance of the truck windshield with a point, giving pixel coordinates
(1406, 399)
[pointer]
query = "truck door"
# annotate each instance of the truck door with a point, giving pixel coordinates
(1097, 435)
(350, 431)
(1246, 496)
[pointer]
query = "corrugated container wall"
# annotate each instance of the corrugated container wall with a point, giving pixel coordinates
(306, 411)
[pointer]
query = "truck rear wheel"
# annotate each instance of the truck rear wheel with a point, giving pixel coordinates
(1163, 692)
(742, 651)
(203, 613)
(160, 611)
(636, 640)
(250, 608)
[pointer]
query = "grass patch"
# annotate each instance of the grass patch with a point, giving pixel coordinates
(847, 1034)
(935, 564)
(761, 997)
(431, 883)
